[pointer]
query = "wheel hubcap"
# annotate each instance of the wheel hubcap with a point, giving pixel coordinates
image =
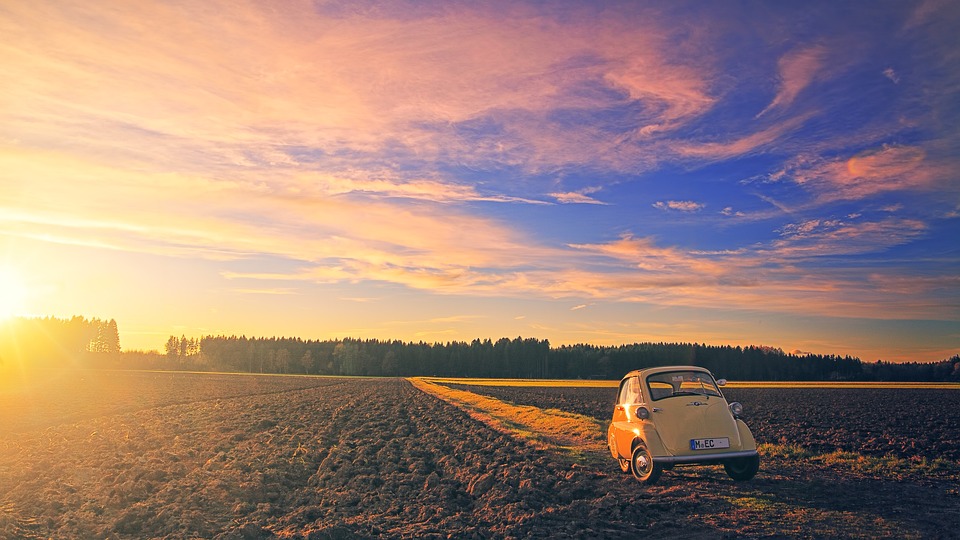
(642, 463)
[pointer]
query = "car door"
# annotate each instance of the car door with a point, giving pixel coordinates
(623, 426)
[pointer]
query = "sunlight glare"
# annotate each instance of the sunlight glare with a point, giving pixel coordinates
(13, 293)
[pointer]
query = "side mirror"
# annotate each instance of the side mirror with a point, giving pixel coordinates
(721, 382)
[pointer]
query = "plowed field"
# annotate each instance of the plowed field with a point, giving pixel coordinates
(134, 455)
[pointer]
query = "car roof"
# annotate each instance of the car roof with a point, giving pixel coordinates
(663, 369)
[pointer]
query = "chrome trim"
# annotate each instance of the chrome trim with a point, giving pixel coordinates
(705, 457)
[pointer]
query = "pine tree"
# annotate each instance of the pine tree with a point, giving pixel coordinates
(111, 337)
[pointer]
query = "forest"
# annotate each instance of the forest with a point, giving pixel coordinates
(96, 343)
(51, 341)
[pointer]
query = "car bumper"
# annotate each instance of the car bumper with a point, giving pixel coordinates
(704, 458)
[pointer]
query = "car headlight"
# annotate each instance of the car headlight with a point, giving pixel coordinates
(736, 408)
(643, 413)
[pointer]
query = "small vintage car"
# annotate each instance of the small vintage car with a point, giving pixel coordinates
(676, 415)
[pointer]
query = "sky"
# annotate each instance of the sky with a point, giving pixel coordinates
(783, 174)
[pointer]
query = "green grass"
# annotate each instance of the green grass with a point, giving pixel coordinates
(889, 466)
(758, 503)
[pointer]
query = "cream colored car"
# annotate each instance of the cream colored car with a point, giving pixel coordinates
(676, 415)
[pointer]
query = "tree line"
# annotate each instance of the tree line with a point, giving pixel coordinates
(529, 358)
(42, 342)
(96, 343)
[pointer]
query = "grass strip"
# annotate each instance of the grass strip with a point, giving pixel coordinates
(549, 383)
(577, 436)
(596, 383)
(887, 466)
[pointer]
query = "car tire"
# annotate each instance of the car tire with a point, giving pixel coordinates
(741, 469)
(644, 468)
(624, 465)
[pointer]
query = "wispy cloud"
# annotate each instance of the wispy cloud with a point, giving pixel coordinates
(195, 216)
(363, 146)
(644, 254)
(740, 145)
(835, 237)
(729, 211)
(884, 169)
(288, 88)
(798, 69)
(578, 197)
(681, 206)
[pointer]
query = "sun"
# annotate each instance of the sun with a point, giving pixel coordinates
(13, 293)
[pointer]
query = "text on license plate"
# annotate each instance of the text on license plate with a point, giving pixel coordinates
(709, 444)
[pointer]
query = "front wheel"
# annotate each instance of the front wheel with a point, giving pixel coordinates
(741, 469)
(644, 468)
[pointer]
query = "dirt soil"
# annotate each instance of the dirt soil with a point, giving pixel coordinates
(134, 455)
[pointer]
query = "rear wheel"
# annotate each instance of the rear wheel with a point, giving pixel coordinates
(741, 469)
(624, 465)
(643, 466)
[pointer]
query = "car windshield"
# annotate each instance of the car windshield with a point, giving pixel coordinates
(681, 383)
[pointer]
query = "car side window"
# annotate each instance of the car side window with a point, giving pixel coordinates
(622, 395)
(630, 392)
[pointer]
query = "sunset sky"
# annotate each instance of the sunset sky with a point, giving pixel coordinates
(765, 173)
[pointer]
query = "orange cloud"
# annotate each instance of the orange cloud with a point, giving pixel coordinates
(249, 134)
(351, 238)
(645, 255)
(677, 93)
(241, 87)
(47, 196)
(888, 168)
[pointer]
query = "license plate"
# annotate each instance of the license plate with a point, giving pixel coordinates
(709, 444)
